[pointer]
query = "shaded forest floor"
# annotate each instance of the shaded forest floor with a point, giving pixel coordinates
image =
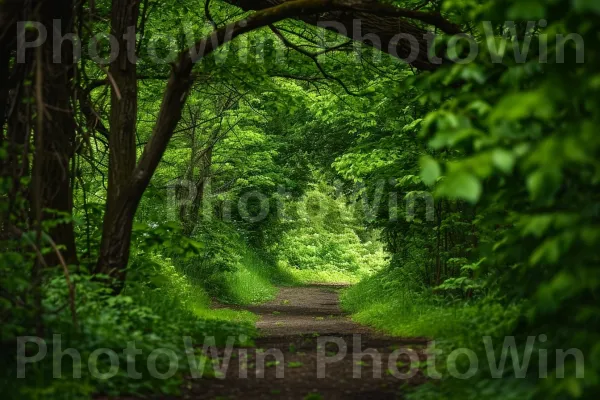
(293, 323)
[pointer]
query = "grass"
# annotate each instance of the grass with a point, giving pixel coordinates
(254, 280)
(307, 276)
(226, 314)
(386, 301)
(418, 319)
(389, 302)
(180, 297)
(246, 286)
(295, 364)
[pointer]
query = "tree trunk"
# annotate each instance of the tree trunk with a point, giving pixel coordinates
(116, 239)
(15, 118)
(53, 183)
(191, 214)
(4, 86)
(122, 146)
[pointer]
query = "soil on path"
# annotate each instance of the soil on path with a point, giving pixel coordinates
(305, 327)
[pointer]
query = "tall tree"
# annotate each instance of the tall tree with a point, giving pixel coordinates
(122, 145)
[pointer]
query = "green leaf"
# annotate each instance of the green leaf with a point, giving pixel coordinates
(503, 160)
(461, 185)
(543, 183)
(518, 106)
(430, 170)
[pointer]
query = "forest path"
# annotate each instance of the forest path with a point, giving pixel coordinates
(294, 326)
(306, 310)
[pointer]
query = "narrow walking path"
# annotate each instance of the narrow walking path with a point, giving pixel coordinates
(305, 310)
(305, 327)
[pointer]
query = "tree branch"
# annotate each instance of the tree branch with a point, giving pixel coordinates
(312, 57)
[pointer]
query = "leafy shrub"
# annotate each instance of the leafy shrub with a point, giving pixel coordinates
(156, 314)
(322, 237)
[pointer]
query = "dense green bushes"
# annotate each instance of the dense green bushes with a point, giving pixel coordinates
(322, 240)
(155, 314)
(513, 139)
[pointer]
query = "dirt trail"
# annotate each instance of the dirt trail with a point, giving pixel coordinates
(305, 310)
(293, 325)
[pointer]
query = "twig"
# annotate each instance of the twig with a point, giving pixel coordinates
(208, 15)
(312, 57)
(67, 279)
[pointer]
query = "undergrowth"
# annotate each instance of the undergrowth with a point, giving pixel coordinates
(156, 314)
(323, 240)
(160, 308)
(232, 272)
(390, 301)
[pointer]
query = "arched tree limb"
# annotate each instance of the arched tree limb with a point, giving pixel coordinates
(116, 239)
(363, 20)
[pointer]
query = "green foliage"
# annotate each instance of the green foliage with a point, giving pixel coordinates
(514, 139)
(533, 163)
(322, 241)
(229, 269)
(153, 316)
(508, 148)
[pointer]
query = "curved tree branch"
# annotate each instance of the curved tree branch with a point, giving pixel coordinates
(374, 24)
(312, 57)
(117, 230)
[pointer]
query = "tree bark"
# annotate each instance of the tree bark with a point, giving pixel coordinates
(116, 238)
(58, 134)
(4, 86)
(15, 117)
(122, 148)
(364, 20)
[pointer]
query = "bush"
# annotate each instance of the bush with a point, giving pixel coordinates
(154, 314)
(322, 241)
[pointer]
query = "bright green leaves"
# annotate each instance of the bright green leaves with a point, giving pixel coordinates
(518, 106)
(449, 129)
(430, 170)
(322, 236)
(479, 108)
(463, 179)
(542, 184)
(412, 126)
(409, 180)
(450, 139)
(444, 121)
(376, 155)
(462, 186)
(504, 160)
